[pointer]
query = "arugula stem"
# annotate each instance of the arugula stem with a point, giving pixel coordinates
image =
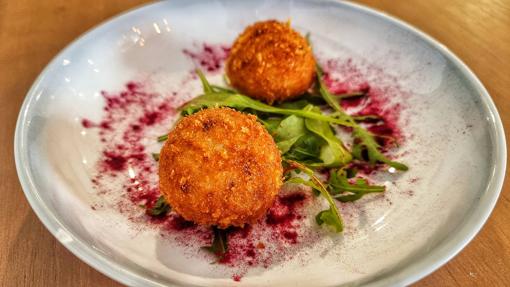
(313, 116)
(326, 95)
(219, 245)
(221, 89)
(362, 190)
(162, 138)
(365, 137)
(368, 189)
(205, 84)
(322, 189)
(240, 102)
(366, 118)
(349, 95)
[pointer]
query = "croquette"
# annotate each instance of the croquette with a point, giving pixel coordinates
(220, 167)
(272, 62)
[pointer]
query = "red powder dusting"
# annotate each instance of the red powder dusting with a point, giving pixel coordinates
(269, 240)
(127, 116)
(114, 162)
(178, 223)
(87, 124)
(133, 113)
(383, 97)
(346, 77)
(285, 213)
(291, 236)
(365, 169)
(387, 128)
(208, 57)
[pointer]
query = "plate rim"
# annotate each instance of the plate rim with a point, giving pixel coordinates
(439, 255)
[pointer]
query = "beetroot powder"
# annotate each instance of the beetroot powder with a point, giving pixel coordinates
(134, 112)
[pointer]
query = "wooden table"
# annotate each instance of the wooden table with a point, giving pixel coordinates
(32, 32)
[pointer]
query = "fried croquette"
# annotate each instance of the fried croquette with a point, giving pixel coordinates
(272, 62)
(220, 167)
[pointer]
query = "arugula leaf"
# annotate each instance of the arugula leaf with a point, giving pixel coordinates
(363, 139)
(306, 150)
(330, 99)
(295, 141)
(309, 140)
(205, 84)
(162, 138)
(366, 118)
(242, 102)
(160, 208)
(219, 246)
(300, 180)
(328, 217)
(221, 89)
(349, 95)
(303, 101)
(290, 127)
(284, 146)
(344, 191)
(333, 153)
(288, 132)
(155, 156)
(271, 124)
(331, 216)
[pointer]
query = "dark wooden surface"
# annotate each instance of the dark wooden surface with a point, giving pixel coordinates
(32, 32)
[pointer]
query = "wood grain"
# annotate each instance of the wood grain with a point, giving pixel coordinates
(32, 32)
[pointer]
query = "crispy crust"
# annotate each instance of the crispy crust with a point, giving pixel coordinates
(220, 167)
(270, 61)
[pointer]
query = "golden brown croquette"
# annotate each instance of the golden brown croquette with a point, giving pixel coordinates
(270, 61)
(220, 167)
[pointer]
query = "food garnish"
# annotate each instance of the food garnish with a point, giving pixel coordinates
(305, 133)
(219, 246)
(160, 208)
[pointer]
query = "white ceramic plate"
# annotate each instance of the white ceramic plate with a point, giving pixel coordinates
(454, 145)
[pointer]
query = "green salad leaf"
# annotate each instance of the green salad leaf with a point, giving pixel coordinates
(206, 86)
(345, 191)
(162, 138)
(306, 150)
(221, 89)
(271, 124)
(306, 139)
(300, 180)
(219, 246)
(288, 132)
(303, 101)
(242, 102)
(363, 139)
(334, 153)
(160, 208)
(330, 217)
(310, 141)
(330, 99)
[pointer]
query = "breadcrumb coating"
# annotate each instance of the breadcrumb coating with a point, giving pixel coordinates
(220, 167)
(272, 62)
